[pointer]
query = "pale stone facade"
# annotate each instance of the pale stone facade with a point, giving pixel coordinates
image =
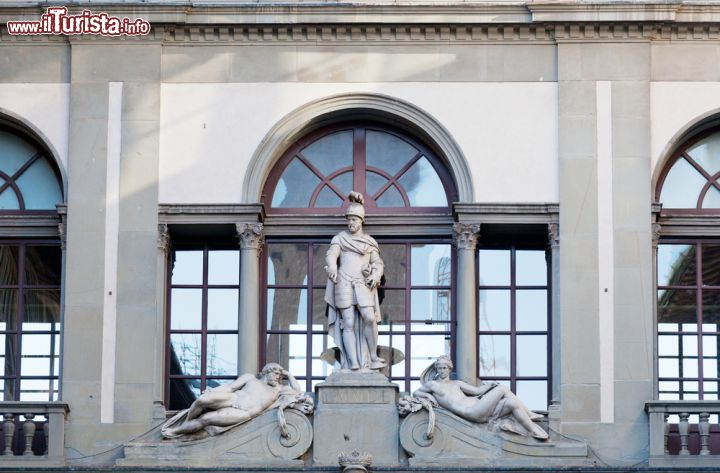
(552, 113)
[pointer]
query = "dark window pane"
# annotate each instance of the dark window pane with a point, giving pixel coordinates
(494, 310)
(183, 392)
(8, 265)
(423, 186)
(431, 304)
(42, 309)
(676, 306)
(222, 310)
(288, 350)
(374, 182)
(327, 198)
(224, 267)
(682, 186)
(494, 267)
(392, 308)
(533, 394)
(430, 265)
(391, 198)
(8, 352)
(331, 152)
(188, 267)
(387, 152)
(530, 268)
(395, 264)
(344, 182)
(222, 352)
(42, 265)
(711, 265)
(319, 273)
(706, 153)
(8, 307)
(319, 318)
(531, 355)
(186, 309)
(185, 353)
(287, 263)
(295, 186)
(711, 310)
(531, 310)
(677, 265)
(287, 309)
(494, 353)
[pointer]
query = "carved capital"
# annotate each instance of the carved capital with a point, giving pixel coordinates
(656, 230)
(553, 236)
(163, 241)
(466, 235)
(250, 235)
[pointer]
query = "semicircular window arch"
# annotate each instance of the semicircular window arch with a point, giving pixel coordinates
(690, 182)
(29, 180)
(391, 169)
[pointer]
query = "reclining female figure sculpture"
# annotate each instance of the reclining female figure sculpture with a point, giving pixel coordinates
(488, 402)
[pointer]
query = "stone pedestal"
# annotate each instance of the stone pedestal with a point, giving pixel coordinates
(356, 411)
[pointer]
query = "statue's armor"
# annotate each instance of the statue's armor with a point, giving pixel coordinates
(350, 289)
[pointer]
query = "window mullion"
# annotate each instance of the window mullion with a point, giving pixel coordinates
(203, 323)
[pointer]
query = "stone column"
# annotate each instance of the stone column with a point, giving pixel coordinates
(656, 231)
(163, 250)
(250, 236)
(465, 237)
(555, 325)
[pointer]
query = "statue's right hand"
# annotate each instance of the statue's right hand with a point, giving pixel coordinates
(332, 274)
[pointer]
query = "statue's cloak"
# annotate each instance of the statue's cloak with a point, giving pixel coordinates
(362, 245)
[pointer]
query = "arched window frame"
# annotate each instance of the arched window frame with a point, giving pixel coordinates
(359, 167)
(27, 230)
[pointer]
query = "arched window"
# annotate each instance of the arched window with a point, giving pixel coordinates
(688, 271)
(30, 268)
(690, 182)
(399, 175)
(392, 170)
(28, 179)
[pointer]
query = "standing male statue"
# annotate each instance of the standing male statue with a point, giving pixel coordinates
(354, 271)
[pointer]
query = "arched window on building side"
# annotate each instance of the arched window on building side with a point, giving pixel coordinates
(30, 270)
(688, 271)
(400, 177)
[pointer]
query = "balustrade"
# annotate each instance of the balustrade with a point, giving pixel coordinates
(684, 433)
(33, 433)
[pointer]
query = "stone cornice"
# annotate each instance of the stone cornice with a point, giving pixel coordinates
(222, 12)
(400, 33)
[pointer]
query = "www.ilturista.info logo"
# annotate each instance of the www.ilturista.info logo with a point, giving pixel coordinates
(56, 21)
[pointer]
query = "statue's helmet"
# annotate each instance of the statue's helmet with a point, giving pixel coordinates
(356, 207)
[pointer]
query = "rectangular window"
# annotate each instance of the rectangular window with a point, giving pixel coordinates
(29, 320)
(415, 302)
(688, 315)
(514, 322)
(203, 311)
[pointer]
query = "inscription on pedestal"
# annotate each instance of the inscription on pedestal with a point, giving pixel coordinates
(355, 395)
(349, 416)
